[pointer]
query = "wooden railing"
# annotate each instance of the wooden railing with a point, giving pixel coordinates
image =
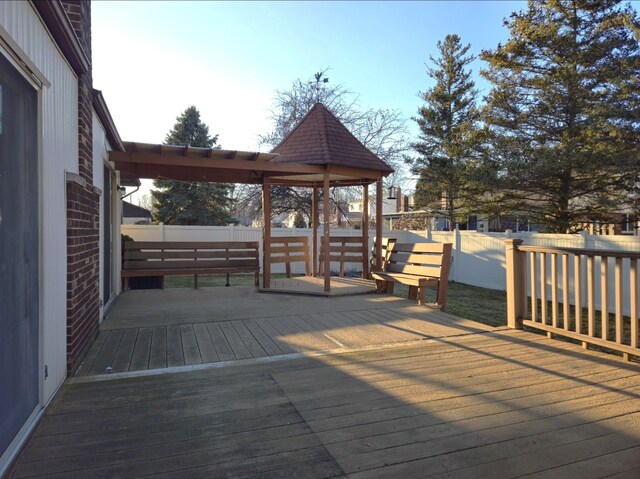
(556, 290)
(287, 250)
(343, 250)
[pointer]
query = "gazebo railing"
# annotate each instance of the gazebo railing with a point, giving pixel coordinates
(587, 295)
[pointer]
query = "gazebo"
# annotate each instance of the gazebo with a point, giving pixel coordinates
(320, 153)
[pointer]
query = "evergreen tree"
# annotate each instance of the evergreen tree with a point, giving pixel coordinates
(449, 134)
(197, 203)
(564, 111)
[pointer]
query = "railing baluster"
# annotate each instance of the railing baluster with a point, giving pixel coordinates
(604, 294)
(543, 288)
(618, 300)
(591, 296)
(565, 291)
(577, 286)
(633, 300)
(554, 290)
(534, 287)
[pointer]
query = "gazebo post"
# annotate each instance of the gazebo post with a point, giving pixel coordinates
(266, 234)
(314, 221)
(326, 232)
(365, 231)
(379, 225)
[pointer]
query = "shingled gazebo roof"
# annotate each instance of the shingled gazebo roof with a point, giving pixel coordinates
(321, 139)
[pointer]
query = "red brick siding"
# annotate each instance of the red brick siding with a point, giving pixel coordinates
(83, 269)
(83, 211)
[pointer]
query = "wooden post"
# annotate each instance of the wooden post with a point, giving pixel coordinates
(365, 232)
(314, 220)
(326, 233)
(516, 294)
(266, 234)
(379, 225)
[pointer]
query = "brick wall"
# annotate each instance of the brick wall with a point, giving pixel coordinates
(83, 268)
(83, 211)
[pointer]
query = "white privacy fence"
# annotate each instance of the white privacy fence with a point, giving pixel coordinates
(478, 259)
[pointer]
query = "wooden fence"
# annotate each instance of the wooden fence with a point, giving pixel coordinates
(557, 290)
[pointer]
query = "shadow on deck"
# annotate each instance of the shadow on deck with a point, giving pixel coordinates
(182, 328)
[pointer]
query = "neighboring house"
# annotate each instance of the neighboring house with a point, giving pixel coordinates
(59, 208)
(135, 215)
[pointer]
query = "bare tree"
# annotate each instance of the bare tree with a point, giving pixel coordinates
(382, 131)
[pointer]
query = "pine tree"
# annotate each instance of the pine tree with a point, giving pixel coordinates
(564, 111)
(197, 203)
(449, 138)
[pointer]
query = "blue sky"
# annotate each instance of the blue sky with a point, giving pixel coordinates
(152, 60)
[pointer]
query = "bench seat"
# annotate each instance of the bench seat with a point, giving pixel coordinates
(417, 265)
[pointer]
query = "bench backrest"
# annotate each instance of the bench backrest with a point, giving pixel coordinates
(342, 249)
(190, 254)
(290, 249)
(385, 246)
(422, 259)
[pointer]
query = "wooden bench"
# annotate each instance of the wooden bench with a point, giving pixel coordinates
(416, 265)
(342, 250)
(290, 249)
(165, 258)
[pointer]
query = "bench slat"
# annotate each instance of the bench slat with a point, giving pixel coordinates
(412, 269)
(289, 249)
(178, 245)
(183, 271)
(343, 239)
(177, 264)
(142, 255)
(437, 248)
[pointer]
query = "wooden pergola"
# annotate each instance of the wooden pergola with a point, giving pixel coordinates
(319, 153)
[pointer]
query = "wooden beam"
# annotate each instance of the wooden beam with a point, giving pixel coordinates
(211, 163)
(314, 221)
(266, 234)
(365, 232)
(379, 225)
(326, 231)
(359, 173)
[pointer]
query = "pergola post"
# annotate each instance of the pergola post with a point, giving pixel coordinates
(379, 225)
(266, 234)
(326, 233)
(314, 221)
(365, 231)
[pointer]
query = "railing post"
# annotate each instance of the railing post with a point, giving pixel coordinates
(516, 295)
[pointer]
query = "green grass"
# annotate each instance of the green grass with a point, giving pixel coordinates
(486, 306)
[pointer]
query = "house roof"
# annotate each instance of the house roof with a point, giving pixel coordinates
(130, 210)
(321, 139)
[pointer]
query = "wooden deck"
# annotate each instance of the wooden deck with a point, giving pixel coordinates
(314, 285)
(493, 404)
(185, 327)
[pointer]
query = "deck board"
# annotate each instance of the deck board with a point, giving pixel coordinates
(223, 349)
(158, 352)
(123, 356)
(205, 344)
(140, 357)
(502, 403)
